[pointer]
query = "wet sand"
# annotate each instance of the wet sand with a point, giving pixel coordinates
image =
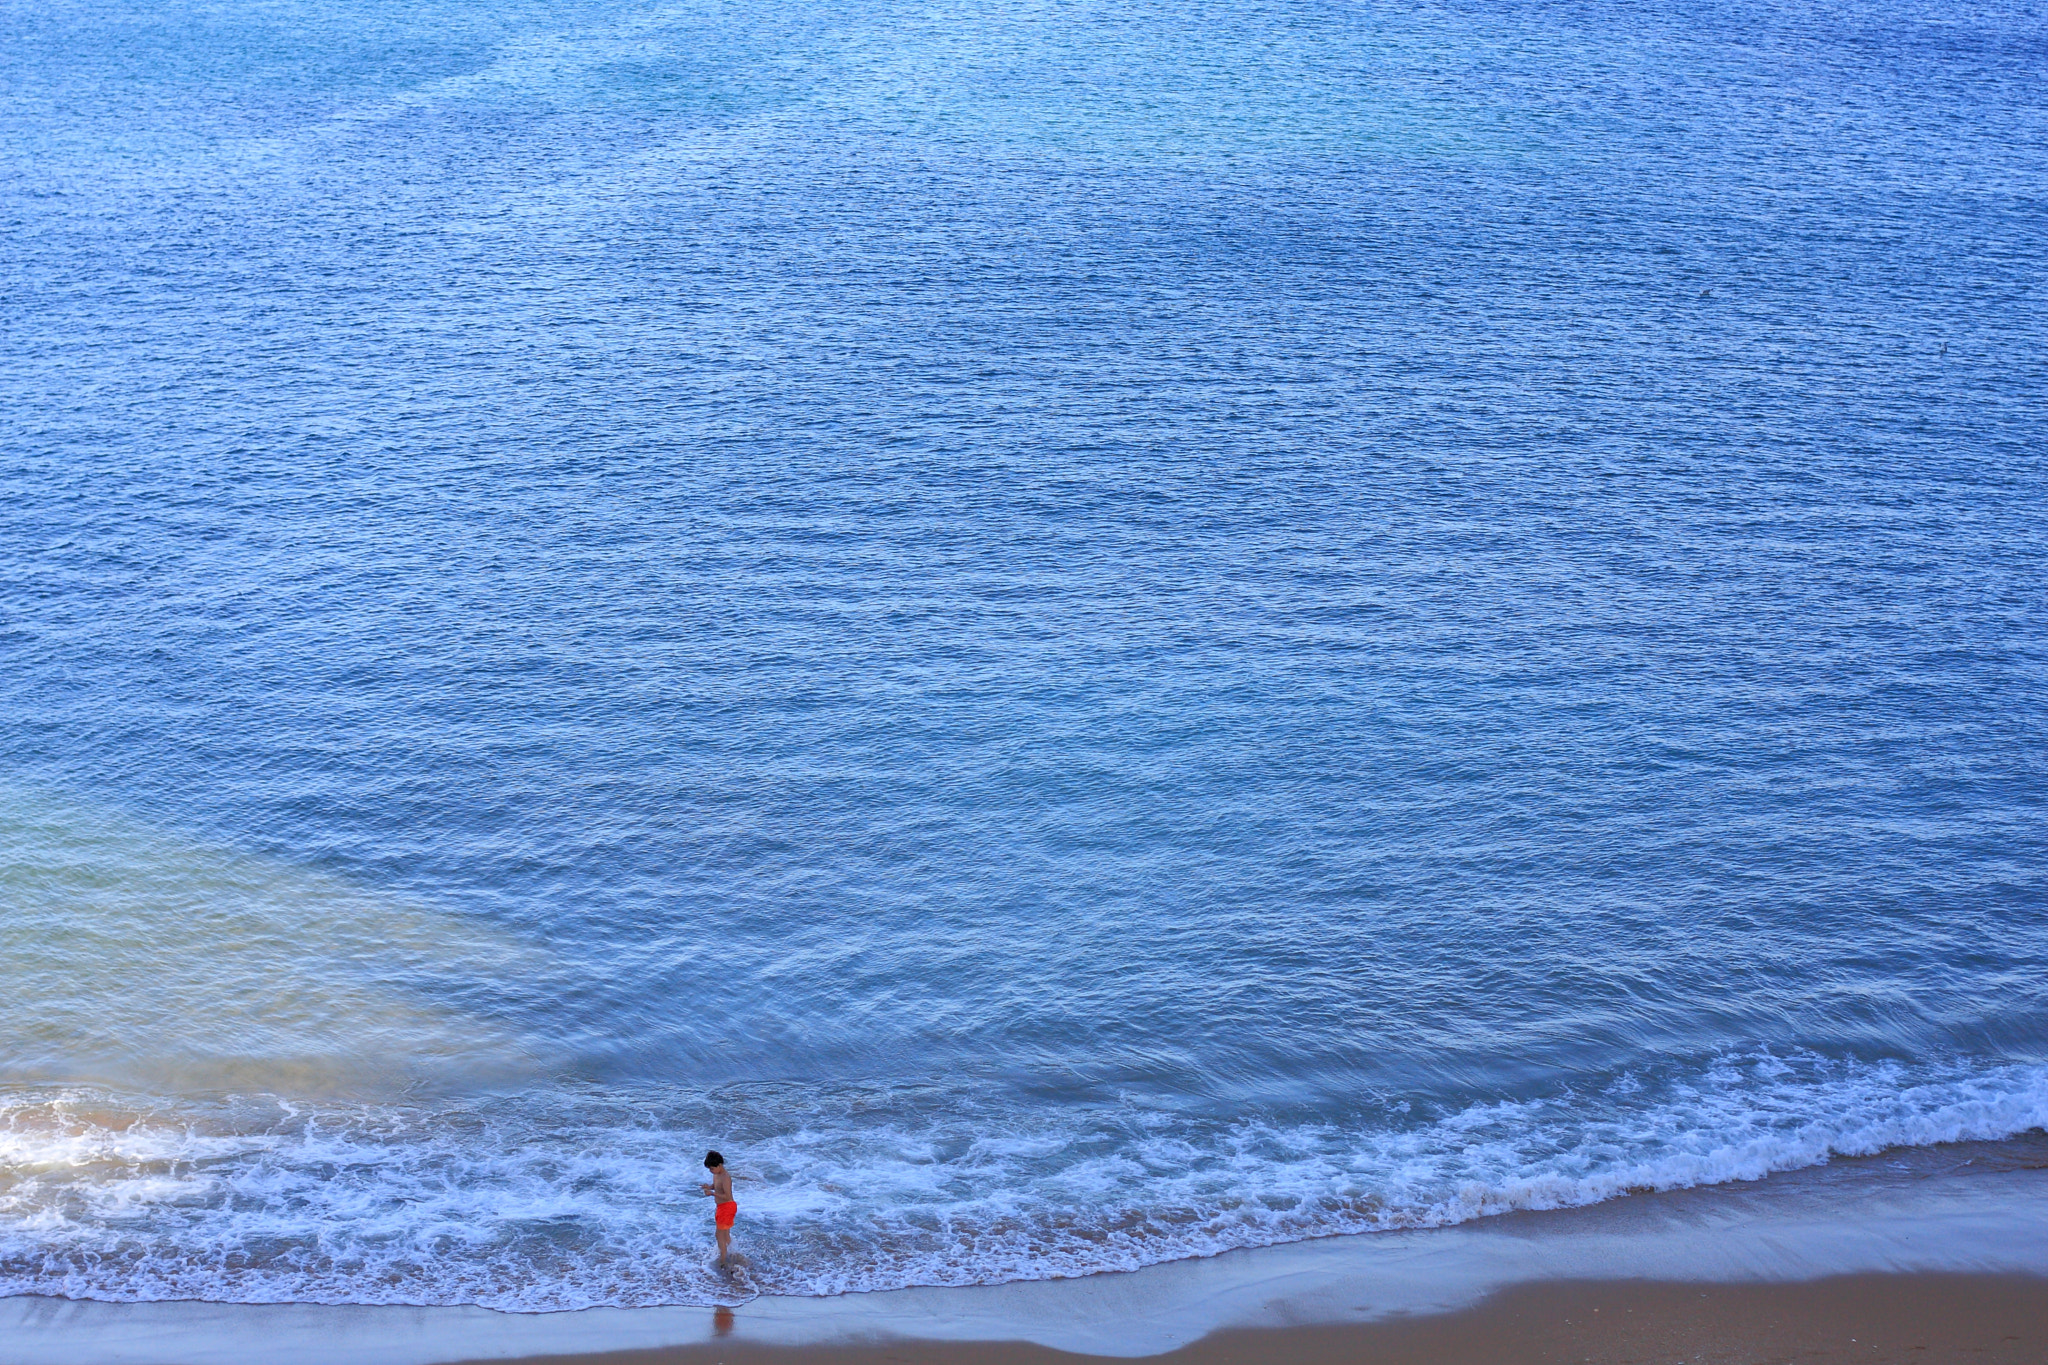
(1908, 1319)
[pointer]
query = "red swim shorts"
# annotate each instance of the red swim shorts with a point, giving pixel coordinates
(727, 1212)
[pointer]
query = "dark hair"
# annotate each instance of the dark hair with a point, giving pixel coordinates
(712, 1159)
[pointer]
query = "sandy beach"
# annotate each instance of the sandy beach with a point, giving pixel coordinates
(1921, 1319)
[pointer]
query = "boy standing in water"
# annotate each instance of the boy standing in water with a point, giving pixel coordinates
(720, 1189)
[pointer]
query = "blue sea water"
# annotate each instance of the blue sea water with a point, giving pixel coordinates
(1084, 633)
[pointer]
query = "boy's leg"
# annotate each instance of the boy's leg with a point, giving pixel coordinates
(724, 1244)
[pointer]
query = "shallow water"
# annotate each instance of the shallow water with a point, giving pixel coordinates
(1970, 1209)
(1084, 633)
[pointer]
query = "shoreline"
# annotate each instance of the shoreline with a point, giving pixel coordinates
(1913, 1319)
(1966, 1223)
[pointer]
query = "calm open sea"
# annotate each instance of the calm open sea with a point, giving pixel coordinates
(1083, 632)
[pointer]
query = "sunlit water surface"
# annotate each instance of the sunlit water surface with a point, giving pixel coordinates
(1084, 633)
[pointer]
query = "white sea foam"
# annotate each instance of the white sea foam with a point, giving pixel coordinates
(565, 1200)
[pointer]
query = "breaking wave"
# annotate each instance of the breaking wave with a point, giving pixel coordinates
(570, 1199)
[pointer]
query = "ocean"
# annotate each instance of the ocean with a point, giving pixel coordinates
(1083, 633)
